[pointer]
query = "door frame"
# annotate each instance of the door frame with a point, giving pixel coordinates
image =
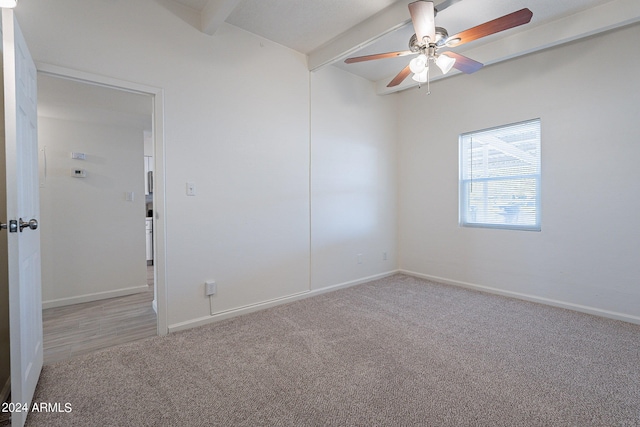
(159, 187)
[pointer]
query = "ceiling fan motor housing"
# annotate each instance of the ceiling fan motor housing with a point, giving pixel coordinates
(441, 38)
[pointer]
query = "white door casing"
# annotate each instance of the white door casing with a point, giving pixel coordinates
(159, 204)
(21, 146)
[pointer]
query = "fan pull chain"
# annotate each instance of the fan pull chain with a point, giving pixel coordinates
(428, 81)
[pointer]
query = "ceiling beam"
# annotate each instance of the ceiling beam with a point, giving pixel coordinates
(365, 33)
(215, 13)
(361, 35)
(605, 17)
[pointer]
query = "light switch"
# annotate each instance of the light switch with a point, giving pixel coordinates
(129, 196)
(191, 189)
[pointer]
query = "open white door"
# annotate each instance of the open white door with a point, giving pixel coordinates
(23, 209)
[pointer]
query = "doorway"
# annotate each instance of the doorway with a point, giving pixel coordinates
(95, 199)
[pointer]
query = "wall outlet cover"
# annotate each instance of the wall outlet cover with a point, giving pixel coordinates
(210, 287)
(78, 173)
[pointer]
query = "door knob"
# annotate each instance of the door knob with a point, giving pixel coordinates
(13, 226)
(32, 224)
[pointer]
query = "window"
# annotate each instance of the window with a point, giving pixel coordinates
(500, 177)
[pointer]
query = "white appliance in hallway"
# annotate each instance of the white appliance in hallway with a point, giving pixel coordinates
(148, 192)
(149, 230)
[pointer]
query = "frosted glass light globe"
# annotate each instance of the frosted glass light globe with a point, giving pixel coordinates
(445, 63)
(418, 64)
(421, 77)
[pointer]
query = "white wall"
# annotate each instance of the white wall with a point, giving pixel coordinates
(353, 179)
(245, 121)
(93, 239)
(237, 124)
(586, 95)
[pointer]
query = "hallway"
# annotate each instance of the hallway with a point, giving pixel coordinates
(77, 329)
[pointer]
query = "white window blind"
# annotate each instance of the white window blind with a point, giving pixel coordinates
(500, 177)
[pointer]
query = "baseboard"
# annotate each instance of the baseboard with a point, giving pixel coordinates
(93, 297)
(227, 314)
(547, 301)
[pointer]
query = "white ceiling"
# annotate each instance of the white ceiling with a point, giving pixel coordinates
(459, 17)
(304, 25)
(328, 31)
(301, 25)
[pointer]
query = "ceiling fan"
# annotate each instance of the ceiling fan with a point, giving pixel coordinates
(429, 39)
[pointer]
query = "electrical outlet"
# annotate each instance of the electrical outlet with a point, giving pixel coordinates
(78, 173)
(384, 256)
(359, 256)
(210, 287)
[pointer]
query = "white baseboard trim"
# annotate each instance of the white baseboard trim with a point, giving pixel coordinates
(547, 301)
(94, 297)
(227, 314)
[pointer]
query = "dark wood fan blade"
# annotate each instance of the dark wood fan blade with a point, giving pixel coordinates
(463, 63)
(511, 20)
(377, 56)
(400, 77)
(422, 16)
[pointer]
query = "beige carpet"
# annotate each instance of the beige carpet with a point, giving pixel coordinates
(394, 352)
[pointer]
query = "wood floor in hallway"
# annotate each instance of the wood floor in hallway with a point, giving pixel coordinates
(83, 328)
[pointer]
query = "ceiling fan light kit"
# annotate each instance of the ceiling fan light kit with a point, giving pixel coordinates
(445, 63)
(429, 39)
(421, 77)
(418, 64)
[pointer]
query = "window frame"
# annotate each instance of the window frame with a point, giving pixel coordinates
(463, 192)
